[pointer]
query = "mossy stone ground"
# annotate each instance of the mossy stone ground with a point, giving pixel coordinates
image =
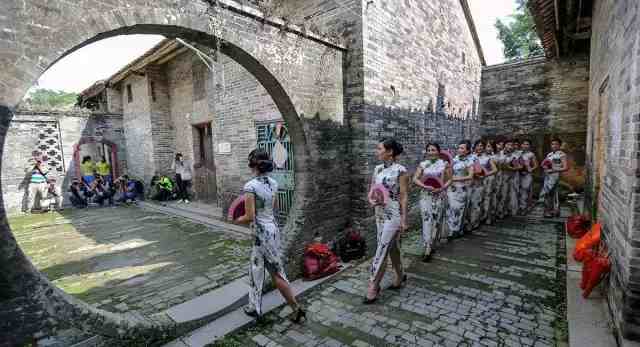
(127, 258)
(501, 286)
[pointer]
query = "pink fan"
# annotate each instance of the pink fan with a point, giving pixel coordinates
(477, 169)
(237, 209)
(446, 156)
(433, 182)
(379, 193)
(546, 164)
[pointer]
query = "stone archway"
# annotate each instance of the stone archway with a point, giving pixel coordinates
(29, 290)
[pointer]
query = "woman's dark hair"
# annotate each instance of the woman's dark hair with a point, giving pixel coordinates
(556, 140)
(479, 142)
(527, 141)
(393, 145)
(437, 146)
(515, 141)
(260, 160)
(85, 158)
(178, 155)
(490, 144)
(467, 143)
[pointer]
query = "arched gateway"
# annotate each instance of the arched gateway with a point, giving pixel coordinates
(36, 34)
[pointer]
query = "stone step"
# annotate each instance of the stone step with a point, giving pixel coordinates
(237, 319)
(197, 215)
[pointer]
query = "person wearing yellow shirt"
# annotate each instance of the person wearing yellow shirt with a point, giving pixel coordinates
(104, 169)
(87, 168)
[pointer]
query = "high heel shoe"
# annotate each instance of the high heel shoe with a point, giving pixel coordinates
(401, 285)
(299, 315)
(250, 312)
(368, 301)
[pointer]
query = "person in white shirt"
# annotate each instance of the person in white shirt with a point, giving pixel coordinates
(184, 175)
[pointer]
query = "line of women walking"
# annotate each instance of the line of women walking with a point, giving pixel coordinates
(481, 184)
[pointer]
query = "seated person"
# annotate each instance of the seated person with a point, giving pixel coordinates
(128, 189)
(103, 191)
(76, 196)
(164, 188)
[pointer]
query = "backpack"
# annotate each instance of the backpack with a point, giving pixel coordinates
(319, 261)
(352, 246)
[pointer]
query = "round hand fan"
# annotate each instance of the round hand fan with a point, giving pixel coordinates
(433, 182)
(380, 194)
(477, 169)
(446, 156)
(546, 164)
(237, 208)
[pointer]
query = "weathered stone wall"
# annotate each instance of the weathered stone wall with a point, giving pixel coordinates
(615, 75)
(162, 131)
(55, 135)
(420, 68)
(137, 127)
(538, 99)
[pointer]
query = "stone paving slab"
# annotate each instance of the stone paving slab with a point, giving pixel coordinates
(501, 286)
(128, 259)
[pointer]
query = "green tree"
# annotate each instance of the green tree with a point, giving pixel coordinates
(518, 34)
(51, 99)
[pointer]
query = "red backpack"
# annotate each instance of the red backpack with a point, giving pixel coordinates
(319, 261)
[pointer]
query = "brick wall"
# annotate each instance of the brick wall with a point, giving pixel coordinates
(539, 99)
(137, 127)
(162, 130)
(615, 76)
(55, 135)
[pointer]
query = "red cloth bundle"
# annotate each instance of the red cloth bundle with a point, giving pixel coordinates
(594, 270)
(319, 261)
(587, 242)
(577, 226)
(237, 208)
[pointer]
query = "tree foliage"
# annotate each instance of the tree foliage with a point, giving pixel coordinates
(49, 99)
(518, 34)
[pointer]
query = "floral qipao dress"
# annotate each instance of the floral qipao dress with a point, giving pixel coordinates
(457, 194)
(432, 204)
(388, 217)
(526, 181)
(476, 194)
(502, 187)
(550, 188)
(266, 252)
(489, 192)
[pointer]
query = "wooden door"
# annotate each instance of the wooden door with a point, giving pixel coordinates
(204, 180)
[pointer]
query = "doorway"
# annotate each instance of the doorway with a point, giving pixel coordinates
(204, 180)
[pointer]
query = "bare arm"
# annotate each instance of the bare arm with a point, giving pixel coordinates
(249, 209)
(416, 178)
(494, 167)
(534, 164)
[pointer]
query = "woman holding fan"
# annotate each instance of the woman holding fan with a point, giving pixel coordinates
(432, 175)
(260, 202)
(457, 193)
(388, 178)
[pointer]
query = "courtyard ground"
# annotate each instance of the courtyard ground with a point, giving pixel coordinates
(501, 286)
(131, 259)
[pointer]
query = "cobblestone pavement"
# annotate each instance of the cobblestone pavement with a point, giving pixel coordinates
(501, 286)
(126, 258)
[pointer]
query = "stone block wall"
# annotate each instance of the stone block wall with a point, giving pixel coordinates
(137, 127)
(162, 130)
(55, 135)
(538, 99)
(420, 69)
(614, 107)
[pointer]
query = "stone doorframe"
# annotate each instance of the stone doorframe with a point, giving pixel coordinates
(114, 155)
(72, 26)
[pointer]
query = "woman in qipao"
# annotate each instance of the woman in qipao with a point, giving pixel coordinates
(476, 191)
(526, 178)
(260, 202)
(432, 198)
(390, 217)
(457, 193)
(488, 164)
(557, 164)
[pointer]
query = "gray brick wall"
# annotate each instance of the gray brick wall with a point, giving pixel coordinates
(615, 56)
(539, 99)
